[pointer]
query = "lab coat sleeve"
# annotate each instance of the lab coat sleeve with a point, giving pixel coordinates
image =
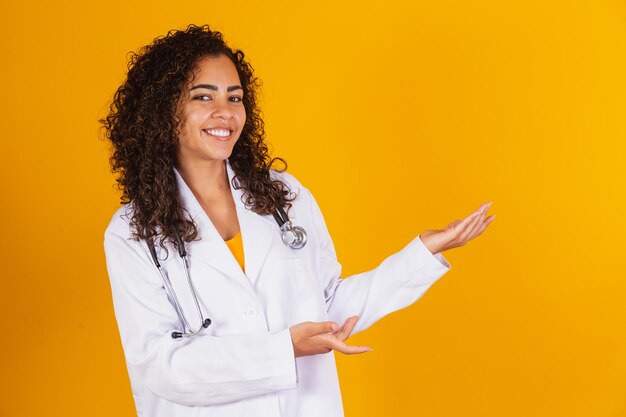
(200, 371)
(396, 283)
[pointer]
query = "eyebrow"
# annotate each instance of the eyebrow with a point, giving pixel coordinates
(214, 87)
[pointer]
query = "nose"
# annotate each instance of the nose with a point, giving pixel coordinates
(222, 110)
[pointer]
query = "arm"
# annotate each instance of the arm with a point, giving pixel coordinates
(201, 371)
(396, 283)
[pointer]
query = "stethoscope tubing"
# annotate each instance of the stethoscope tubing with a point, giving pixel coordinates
(294, 237)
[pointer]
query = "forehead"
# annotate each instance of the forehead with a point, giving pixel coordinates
(218, 70)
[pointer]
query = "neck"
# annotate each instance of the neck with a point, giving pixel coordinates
(208, 180)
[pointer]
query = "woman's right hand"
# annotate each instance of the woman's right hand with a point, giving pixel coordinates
(312, 338)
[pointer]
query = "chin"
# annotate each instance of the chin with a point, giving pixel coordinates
(221, 156)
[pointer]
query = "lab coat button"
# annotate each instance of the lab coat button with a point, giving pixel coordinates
(251, 312)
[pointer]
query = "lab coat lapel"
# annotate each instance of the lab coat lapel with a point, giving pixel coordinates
(256, 232)
(211, 249)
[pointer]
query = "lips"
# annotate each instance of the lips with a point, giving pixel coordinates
(219, 133)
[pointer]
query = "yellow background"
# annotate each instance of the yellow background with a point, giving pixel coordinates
(400, 117)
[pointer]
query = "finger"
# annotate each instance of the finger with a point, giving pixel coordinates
(461, 229)
(470, 231)
(469, 219)
(450, 228)
(454, 223)
(347, 328)
(484, 225)
(340, 346)
(473, 221)
(480, 226)
(483, 208)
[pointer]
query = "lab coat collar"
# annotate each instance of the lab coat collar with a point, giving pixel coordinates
(255, 232)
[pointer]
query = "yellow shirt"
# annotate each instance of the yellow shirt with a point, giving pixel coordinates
(236, 247)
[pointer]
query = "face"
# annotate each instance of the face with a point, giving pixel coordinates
(212, 112)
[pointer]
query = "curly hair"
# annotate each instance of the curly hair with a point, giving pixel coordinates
(143, 125)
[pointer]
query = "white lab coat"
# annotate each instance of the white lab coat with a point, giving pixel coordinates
(243, 364)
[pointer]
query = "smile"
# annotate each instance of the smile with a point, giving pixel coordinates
(221, 134)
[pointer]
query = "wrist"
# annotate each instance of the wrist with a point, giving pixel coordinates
(427, 241)
(296, 352)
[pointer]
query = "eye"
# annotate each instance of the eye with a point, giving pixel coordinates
(236, 99)
(203, 97)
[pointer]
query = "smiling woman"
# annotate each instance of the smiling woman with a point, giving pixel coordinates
(212, 112)
(177, 86)
(194, 171)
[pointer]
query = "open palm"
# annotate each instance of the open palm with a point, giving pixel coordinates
(459, 232)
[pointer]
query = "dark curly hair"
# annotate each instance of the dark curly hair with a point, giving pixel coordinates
(143, 124)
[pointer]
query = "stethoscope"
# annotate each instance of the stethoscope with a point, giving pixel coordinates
(294, 237)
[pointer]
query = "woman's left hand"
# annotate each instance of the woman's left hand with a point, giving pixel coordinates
(459, 232)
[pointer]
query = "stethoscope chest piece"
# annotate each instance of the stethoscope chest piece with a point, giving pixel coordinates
(293, 237)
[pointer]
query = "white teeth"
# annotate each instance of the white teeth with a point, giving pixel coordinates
(218, 132)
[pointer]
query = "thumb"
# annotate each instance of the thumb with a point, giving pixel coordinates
(452, 225)
(326, 327)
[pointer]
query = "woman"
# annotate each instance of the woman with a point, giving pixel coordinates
(201, 201)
